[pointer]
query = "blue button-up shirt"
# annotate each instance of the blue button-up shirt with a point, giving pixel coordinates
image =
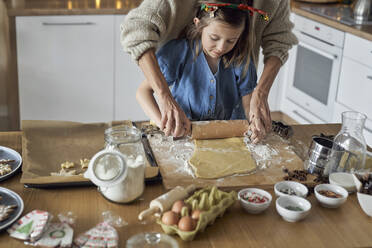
(201, 94)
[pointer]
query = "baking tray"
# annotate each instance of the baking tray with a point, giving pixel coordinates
(47, 144)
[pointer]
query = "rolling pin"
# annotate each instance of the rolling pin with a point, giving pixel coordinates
(218, 129)
(165, 201)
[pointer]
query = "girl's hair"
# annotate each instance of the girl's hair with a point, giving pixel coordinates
(241, 52)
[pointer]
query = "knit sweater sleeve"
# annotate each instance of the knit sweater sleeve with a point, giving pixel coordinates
(144, 26)
(278, 37)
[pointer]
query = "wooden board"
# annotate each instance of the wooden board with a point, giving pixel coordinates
(172, 157)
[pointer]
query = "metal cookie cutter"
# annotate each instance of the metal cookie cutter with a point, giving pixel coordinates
(278, 127)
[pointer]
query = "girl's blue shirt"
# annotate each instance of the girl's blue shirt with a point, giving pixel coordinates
(201, 94)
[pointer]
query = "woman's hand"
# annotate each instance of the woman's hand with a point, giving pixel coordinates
(259, 116)
(174, 121)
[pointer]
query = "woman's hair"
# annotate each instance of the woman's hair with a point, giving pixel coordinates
(241, 52)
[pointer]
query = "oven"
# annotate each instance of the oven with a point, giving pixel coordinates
(313, 72)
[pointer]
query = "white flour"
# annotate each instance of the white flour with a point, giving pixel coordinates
(261, 153)
(267, 153)
(180, 151)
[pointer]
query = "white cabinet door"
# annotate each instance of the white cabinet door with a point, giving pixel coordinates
(128, 76)
(355, 86)
(358, 49)
(65, 67)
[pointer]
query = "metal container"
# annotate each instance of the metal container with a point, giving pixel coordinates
(319, 152)
(362, 10)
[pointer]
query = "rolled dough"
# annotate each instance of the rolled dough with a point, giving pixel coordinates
(217, 158)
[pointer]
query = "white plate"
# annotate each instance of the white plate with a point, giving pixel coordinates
(10, 198)
(7, 153)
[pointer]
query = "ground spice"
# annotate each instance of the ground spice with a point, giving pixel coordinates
(329, 193)
(294, 208)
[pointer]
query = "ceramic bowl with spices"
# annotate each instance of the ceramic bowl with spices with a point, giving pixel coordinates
(364, 192)
(254, 200)
(290, 188)
(292, 208)
(330, 195)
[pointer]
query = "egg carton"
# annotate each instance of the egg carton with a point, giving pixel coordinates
(211, 201)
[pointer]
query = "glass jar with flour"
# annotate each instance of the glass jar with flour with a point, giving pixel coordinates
(119, 169)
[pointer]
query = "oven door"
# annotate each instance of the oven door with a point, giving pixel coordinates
(314, 68)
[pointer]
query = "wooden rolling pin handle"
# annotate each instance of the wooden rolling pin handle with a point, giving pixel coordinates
(190, 188)
(148, 212)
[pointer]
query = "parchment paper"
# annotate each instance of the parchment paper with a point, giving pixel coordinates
(47, 144)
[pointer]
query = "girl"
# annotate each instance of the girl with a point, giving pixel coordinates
(210, 71)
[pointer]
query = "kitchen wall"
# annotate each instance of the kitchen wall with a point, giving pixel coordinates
(4, 53)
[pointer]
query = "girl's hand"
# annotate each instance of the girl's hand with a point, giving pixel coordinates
(174, 121)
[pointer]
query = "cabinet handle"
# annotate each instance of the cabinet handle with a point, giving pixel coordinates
(300, 115)
(68, 23)
(369, 77)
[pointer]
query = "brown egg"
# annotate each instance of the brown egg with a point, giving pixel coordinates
(196, 214)
(186, 223)
(170, 218)
(177, 206)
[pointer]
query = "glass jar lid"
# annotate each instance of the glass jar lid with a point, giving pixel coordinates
(152, 239)
(122, 134)
(107, 168)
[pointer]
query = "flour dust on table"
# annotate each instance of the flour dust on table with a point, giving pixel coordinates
(176, 153)
(267, 152)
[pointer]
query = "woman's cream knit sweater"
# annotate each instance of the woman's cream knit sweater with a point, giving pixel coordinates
(155, 22)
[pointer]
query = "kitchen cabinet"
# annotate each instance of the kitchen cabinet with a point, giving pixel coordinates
(355, 84)
(312, 72)
(73, 68)
(128, 76)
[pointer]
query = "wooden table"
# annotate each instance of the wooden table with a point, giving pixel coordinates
(346, 226)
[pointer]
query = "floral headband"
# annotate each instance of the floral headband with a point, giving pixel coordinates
(212, 7)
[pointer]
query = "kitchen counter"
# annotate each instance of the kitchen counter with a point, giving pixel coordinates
(363, 31)
(346, 226)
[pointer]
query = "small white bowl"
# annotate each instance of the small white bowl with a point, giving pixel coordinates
(344, 180)
(330, 202)
(365, 200)
(254, 208)
(300, 189)
(292, 201)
